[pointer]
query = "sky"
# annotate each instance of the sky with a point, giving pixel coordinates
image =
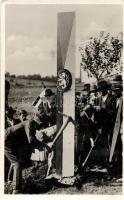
(31, 34)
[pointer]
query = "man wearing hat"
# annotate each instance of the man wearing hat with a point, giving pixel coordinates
(103, 88)
(117, 88)
(113, 101)
(104, 99)
(49, 105)
(104, 114)
(87, 127)
(85, 94)
(118, 122)
(45, 104)
(38, 100)
(94, 95)
(48, 111)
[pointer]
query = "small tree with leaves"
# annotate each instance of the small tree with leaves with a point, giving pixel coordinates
(100, 56)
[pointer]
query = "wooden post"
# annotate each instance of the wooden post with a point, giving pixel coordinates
(66, 100)
(116, 130)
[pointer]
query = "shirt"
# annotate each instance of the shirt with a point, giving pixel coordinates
(104, 98)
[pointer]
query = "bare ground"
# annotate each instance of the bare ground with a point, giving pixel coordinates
(93, 183)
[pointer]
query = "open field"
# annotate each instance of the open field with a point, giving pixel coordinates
(21, 95)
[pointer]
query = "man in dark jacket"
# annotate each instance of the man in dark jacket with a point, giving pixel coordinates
(18, 148)
(106, 115)
(115, 157)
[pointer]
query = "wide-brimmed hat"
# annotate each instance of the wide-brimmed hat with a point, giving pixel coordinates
(48, 92)
(117, 83)
(77, 93)
(118, 78)
(117, 87)
(103, 85)
(86, 87)
(93, 88)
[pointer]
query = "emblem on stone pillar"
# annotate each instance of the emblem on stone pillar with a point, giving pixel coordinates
(64, 80)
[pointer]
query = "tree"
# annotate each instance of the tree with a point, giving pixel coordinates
(101, 56)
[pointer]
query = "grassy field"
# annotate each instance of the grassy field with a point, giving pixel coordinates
(23, 95)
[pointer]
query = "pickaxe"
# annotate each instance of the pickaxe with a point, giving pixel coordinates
(69, 119)
(92, 146)
(50, 145)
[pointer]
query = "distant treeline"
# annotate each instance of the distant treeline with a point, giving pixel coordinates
(31, 77)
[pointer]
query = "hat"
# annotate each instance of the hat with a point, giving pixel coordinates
(93, 88)
(86, 87)
(117, 87)
(117, 78)
(103, 85)
(48, 92)
(10, 112)
(117, 83)
(77, 93)
(24, 112)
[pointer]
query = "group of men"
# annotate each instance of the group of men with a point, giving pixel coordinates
(97, 110)
(26, 134)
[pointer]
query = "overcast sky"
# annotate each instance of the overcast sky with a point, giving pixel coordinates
(31, 33)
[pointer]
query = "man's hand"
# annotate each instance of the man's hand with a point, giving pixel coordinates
(49, 146)
(39, 136)
(97, 108)
(30, 118)
(82, 114)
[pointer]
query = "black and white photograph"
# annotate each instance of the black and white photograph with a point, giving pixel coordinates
(63, 119)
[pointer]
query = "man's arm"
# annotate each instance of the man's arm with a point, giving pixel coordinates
(13, 129)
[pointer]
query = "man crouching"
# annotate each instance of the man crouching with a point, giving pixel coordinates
(18, 146)
(22, 136)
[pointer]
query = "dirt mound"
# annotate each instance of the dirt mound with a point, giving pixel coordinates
(33, 181)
